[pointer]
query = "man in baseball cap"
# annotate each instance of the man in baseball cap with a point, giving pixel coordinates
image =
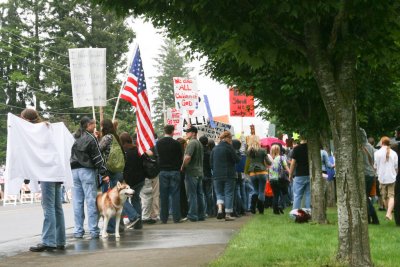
(191, 129)
(193, 167)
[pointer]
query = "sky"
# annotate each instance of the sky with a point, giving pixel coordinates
(150, 40)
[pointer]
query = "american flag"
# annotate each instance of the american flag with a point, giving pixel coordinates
(135, 92)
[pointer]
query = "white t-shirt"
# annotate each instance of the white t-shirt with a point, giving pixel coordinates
(386, 170)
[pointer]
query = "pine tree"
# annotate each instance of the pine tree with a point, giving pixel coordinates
(35, 36)
(15, 57)
(170, 63)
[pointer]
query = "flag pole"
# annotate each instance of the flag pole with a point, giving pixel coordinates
(164, 113)
(123, 83)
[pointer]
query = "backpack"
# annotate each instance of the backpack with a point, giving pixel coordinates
(116, 158)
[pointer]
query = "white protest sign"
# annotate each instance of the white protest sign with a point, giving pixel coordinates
(214, 133)
(186, 94)
(194, 121)
(88, 76)
(174, 118)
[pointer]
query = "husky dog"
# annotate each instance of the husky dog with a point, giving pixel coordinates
(110, 204)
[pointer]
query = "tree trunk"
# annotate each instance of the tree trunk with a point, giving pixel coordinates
(334, 77)
(350, 182)
(318, 200)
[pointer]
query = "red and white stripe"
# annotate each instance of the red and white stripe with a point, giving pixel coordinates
(129, 93)
(145, 129)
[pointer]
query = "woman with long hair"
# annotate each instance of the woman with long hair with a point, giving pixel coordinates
(134, 176)
(258, 164)
(106, 141)
(53, 231)
(86, 163)
(278, 165)
(386, 166)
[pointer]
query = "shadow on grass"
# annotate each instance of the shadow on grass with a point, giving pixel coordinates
(270, 240)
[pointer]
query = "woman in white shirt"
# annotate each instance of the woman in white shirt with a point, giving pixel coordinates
(386, 167)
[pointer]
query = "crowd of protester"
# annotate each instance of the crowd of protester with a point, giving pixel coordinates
(199, 179)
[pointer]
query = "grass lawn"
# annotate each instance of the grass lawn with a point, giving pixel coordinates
(271, 240)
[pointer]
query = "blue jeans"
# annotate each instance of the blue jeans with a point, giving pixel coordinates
(85, 188)
(170, 184)
(249, 191)
(195, 195)
(301, 186)
(134, 209)
(224, 189)
(114, 179)
(258, 182)
(53, 232)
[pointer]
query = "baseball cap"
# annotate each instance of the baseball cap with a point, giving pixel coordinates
(191, 129)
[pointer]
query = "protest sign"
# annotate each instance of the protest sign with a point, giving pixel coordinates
(241, 105)
(214, 133)
(186, 94)
(88, 76)
(174, 118)
(194, 121)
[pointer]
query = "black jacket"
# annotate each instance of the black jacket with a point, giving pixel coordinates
(134, 170)
(86, 153)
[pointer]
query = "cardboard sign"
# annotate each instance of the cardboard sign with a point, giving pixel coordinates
(88, 76)
(186, 94)
(214, 133)
(174, 118)
(241, 105)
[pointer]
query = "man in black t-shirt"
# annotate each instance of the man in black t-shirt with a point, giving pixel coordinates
(170, 159)
(301, 182)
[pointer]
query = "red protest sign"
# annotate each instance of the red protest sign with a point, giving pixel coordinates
(241, 105)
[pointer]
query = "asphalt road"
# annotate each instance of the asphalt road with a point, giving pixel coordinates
(21, 226)
(184, 244)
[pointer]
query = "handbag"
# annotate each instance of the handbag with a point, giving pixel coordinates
(150, 165)
(268, 189)
(283, 175)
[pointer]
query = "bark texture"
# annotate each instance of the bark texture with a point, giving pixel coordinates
(318, 200)
(334, 77)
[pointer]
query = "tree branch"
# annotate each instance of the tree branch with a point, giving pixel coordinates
(337, 23)
(288, 37)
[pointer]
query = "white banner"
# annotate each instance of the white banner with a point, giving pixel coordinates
(186, 94)
(214, 133)
(174, 118)
(88, 76)
(37, 152)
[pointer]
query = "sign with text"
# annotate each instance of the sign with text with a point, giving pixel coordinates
(194, 121)
(174, 118)
(186, 94)
(214, 133)
(241, 105)
(88, 76)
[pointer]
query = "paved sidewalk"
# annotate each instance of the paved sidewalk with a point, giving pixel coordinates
(184, 244)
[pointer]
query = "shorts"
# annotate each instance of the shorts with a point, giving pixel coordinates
(387, 190)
